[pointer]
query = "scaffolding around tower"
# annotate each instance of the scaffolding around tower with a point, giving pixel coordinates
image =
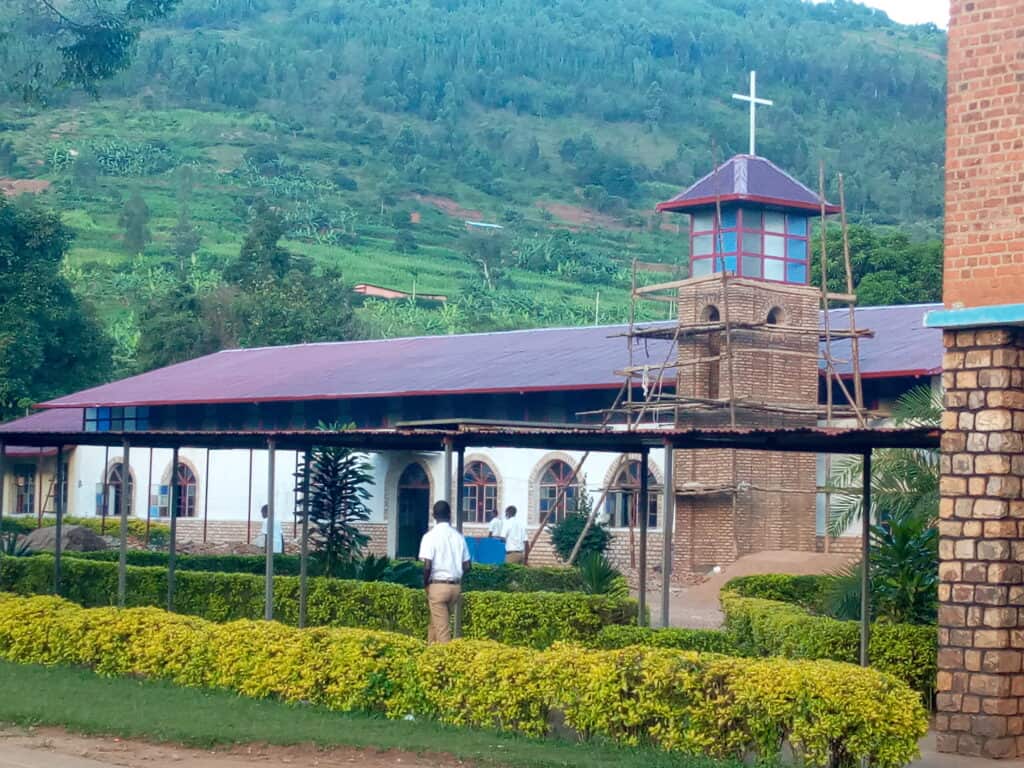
(662, 398)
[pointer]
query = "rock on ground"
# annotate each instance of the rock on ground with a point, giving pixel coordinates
(74, 538)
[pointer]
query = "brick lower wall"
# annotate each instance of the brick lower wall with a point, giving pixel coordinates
(843, 545)
(980, 685)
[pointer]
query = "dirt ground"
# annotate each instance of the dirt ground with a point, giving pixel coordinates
(697, 607)
(14, 187)
(54, 748)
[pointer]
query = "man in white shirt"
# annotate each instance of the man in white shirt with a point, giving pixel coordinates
(445, 559)
(495, 526)
(514, 534)
(278, 543)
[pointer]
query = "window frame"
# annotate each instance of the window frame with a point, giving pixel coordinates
(734, 258)
(480, 489)
(548, 492)
(116, 419)
(624, 495)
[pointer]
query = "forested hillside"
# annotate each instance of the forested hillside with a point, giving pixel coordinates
(261, 157)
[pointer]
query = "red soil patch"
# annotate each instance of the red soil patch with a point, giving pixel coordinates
(13, 187)
(449, 207)
(582, 217)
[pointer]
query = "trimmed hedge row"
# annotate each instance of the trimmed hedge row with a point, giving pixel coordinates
(805, 591)
(702, 640)
(502, 578)
(136, 527)
(535, 619)
(760, 627)
(831, 714)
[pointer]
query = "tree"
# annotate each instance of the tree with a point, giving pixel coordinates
(135, 220)
(566, 532)
(185, 239)
(261, 256)
(339, 483)
(76, 43)
(488, 254)
(301, 307)
(172, 328)
(50, 342)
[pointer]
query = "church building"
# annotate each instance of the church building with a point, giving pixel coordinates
(748, 218)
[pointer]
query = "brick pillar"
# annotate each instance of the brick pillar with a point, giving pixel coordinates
(981, 594)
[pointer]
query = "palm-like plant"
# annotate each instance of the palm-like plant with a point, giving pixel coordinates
(339, 481)
(904, 482)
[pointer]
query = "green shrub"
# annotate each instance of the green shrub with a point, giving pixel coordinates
(495, 578)
(536, 619)
(136, 527)
(566, 532)
(769, 628)
(806, 591)
(702, 640)
(831, 714)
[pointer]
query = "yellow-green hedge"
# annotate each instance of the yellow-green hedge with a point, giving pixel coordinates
(770, 628)
(535, 619)
(832, 714)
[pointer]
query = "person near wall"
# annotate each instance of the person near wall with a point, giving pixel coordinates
(446, 560)
(513, 531)
(278, 533)
(494, 527)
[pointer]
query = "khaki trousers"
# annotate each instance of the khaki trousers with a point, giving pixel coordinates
(514, 557)
(442, 599)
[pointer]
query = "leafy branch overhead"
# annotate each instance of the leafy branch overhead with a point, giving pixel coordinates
(72, 42)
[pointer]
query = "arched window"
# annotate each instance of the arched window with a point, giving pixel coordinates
(556, 477)
(185, 499)
(624, 497)
(115, 484)
(480, 493)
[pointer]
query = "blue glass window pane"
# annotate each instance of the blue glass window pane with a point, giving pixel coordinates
(103, 425)
(797, 249)
(751, 266)
(700, 267)
(702, 245)
(752, 242)
(729, 219)
(796, 272)
(730, 264)
(728, 242)
(773, 269)
(103, 413)
(752, 218)
(797, 225)
(774, 222)
(702, 222)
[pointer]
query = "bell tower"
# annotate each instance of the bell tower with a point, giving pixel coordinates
(747, 356)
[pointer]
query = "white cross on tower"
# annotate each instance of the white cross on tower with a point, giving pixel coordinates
(754, 101)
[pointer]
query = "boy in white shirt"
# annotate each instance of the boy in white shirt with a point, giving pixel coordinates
(494, 527)
(445, 559)
(514, 534)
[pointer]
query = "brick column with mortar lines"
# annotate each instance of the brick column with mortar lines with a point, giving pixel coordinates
(980, 685)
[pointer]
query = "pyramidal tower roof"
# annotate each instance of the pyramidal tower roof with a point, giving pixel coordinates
(750, 179)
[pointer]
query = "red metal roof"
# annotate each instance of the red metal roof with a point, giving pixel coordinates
(513, 362)
(901, 346)
(747, 178)
(549, 359)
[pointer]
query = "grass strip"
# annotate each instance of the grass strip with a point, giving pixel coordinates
(84, 702)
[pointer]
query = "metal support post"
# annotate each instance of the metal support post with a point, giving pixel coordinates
(206, 494)
(304, 544)
(668, 515)
(865, 553)
(268, 596)
(60, 523)
(642, 505)
(126, 492)
(460, 485)
(172, 544)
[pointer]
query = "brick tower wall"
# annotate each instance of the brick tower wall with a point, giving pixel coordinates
(718, 528)
(984, 239)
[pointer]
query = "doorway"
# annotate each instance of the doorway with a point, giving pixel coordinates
(413, 510)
